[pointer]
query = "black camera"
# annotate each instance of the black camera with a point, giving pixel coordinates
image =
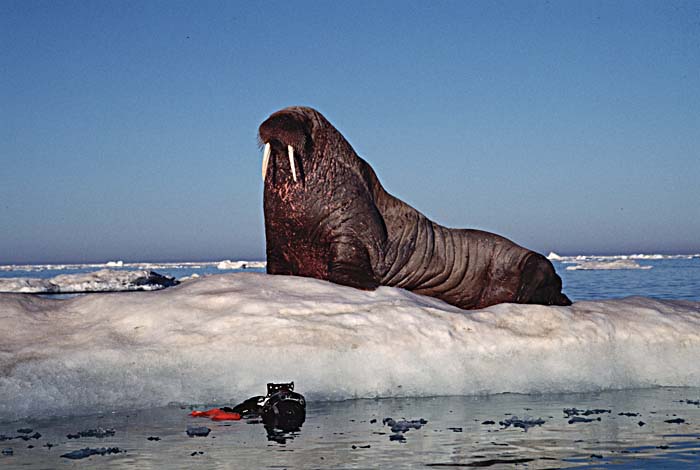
(283, 408)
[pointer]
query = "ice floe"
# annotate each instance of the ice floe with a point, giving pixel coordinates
(552, 256)
(218, 338)
(230, 265)
(105, 280)
(605, 265)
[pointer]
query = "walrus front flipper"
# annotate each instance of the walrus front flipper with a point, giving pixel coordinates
(350, 265)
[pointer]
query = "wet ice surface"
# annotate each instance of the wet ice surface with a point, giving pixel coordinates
(351, 434)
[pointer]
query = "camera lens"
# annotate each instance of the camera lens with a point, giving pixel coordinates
(284, 411)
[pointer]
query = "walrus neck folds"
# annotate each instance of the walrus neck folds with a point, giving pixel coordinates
(327, 216)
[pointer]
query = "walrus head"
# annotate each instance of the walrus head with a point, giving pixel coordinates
(317, 195)
(297, 137)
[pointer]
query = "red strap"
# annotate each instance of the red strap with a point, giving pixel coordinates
(216, 414)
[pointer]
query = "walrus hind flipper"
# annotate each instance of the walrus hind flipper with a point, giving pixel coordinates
(540, 284)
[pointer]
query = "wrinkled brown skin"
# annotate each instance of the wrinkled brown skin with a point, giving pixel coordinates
(338, 223)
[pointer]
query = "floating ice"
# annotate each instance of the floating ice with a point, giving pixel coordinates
(606, 265)
(97, 432)
(569, 412)
(228, 264)
(577, 258)
(89, 452)
(197, 431)
(218, 339)
(580, 419)
(525, 423)
(105, 280)
(403, 425)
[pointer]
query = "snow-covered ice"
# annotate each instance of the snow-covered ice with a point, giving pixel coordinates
(104, 280)
(218, 338)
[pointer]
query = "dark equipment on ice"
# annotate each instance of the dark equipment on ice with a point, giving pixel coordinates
(282, 408)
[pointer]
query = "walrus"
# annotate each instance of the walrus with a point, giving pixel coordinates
(328, 217)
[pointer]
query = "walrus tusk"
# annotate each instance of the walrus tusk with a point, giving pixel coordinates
(290, 150)
(266, 160)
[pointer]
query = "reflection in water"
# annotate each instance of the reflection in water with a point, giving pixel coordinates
(279, 436)
(453, 432)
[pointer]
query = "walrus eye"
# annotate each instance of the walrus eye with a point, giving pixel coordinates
(290, 151)
(266, 160)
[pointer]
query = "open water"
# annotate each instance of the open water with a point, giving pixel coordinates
(671, 278)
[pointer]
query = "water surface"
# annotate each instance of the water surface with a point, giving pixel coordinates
(345, 435)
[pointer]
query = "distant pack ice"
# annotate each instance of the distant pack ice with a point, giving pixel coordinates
(135, 350)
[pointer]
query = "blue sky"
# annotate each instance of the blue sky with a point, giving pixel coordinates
(128, 129)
